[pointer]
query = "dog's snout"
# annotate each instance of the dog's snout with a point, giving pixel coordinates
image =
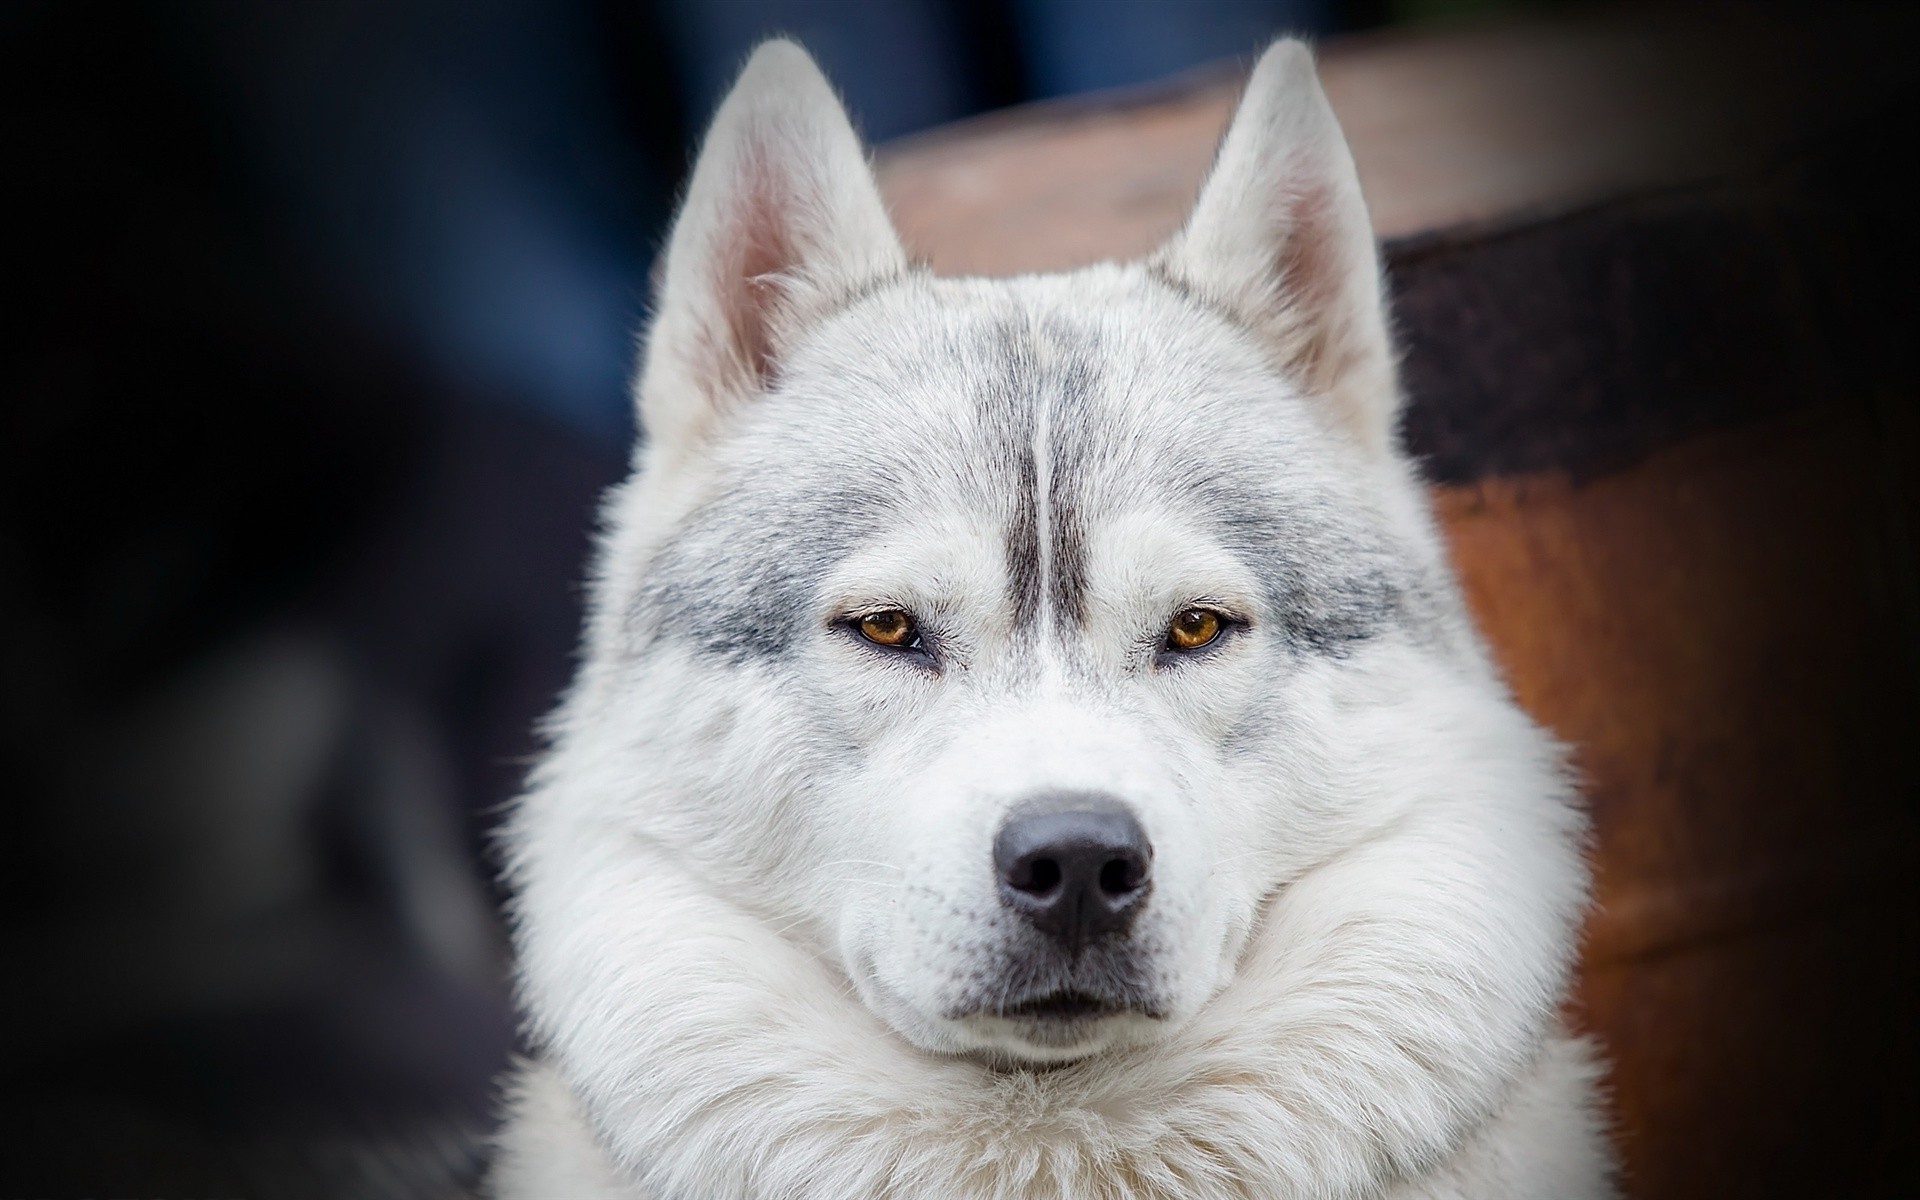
(1076, 866)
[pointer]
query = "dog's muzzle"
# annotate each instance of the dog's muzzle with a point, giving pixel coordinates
(1077, 870)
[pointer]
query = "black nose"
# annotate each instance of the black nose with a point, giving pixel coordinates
(1077, 866)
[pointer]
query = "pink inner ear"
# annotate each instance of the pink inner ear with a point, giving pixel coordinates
(1315, 290)
(758, 253)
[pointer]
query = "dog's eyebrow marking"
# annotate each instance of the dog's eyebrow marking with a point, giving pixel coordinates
(1037, 411)
(1040, 402)
(1068, 437)
(1008, 414)
(734, 580)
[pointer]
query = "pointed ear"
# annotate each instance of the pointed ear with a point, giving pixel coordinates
(1280, 238)
(782, 221)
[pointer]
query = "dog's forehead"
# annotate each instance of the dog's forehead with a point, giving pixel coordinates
(1035, 409)
(1110, 347)
(961, 391)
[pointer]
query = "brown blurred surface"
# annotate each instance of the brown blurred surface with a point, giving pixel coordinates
(1452, 126)
(1649, 275)
(1716, 633)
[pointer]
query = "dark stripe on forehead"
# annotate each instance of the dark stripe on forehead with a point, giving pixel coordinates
(1070, 434)
(1024, 582)
(1034, 397)
(1007, 414)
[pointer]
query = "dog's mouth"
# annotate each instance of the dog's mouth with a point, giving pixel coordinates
(1066, 1007)
(1035, 1011)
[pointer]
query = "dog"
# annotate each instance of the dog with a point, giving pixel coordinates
(1029, 742)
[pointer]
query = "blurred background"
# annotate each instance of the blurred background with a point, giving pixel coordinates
(324, 315)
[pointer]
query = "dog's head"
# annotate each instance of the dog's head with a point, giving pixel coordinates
(1004, 642)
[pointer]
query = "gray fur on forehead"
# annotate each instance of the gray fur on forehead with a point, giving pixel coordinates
(1034, 406)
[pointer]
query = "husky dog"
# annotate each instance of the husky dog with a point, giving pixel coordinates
(1029, 742)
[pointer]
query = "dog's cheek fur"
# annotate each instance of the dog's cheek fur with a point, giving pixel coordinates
(1410, 977)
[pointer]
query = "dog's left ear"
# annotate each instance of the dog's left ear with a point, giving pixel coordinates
(782, 222)
(1280, 237)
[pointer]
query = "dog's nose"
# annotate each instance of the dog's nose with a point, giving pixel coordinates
(1077, 866)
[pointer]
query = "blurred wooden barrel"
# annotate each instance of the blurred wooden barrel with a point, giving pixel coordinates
(1650, 272)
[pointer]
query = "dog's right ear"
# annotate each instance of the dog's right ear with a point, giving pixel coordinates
(1280, 238)
(781, 222)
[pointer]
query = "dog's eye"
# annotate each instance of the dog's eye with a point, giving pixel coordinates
(889, 627)
(1194, 628)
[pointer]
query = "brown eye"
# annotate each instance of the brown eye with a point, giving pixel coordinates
(1193, 629)
(889, 627)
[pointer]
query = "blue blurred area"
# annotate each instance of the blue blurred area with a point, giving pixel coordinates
(902, 65)
(461, 178)
(455, 178)
(1085, 45)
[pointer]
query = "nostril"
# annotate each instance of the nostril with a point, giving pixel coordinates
(1041, 876)
(1120, 876)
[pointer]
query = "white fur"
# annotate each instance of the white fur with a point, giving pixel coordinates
(752, 886)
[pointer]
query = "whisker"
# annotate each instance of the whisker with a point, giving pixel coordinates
(862, 862)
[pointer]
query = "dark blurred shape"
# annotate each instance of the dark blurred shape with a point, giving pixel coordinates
(322, 320)
(454, 178)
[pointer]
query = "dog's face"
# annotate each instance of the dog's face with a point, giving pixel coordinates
(989, 637)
